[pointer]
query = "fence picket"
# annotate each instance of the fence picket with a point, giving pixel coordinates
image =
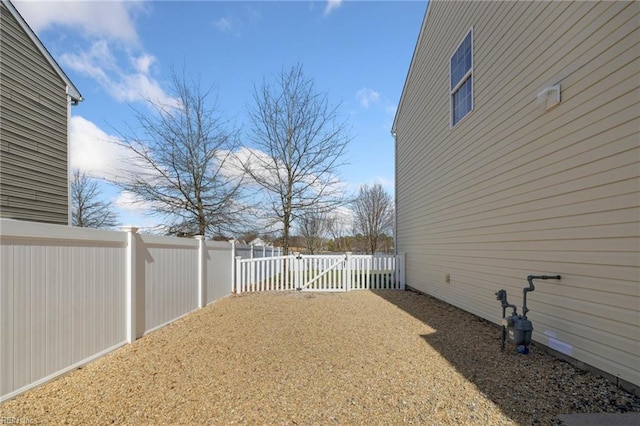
(320, 273)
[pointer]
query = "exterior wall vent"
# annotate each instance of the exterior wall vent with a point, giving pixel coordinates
(549, 96)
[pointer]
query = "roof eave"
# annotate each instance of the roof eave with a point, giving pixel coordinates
(72, 90)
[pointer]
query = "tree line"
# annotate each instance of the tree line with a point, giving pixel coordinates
(186, 164)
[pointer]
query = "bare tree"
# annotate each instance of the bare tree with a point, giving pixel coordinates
(179, 163)
(373, 214)
(300, 143)
(313, 228)
(88, 210)
(337, 226)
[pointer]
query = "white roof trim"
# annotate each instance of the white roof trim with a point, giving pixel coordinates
(72, 90)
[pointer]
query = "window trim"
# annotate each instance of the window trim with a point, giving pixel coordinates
(468, 75)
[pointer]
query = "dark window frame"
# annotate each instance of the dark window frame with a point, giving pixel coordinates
(461, 80)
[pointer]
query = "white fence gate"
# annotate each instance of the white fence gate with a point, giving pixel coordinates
(320, 273)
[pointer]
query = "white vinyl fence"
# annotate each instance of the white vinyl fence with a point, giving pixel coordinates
(246, 251)
(70, 295)
(62, 300)
(320, 273)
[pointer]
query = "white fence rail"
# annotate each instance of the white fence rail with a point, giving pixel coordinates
(70, 295)
(320, 273)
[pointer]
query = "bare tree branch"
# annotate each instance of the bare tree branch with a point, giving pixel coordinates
(303, 145)
(180, 155)
(373, 214)
(313, 228)
(337, 226)
(87, 208)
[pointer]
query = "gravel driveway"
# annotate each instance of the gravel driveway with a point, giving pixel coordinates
(336, 358)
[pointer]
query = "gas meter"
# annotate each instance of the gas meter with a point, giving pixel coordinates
(517, 328)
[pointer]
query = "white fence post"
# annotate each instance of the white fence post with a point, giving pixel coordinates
(238, 280)
(202, 272)
(131, 283)
(233, 263)
(401, 261)
(296, 270)
(347, 270)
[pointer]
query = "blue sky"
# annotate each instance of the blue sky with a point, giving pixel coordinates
(119, 53)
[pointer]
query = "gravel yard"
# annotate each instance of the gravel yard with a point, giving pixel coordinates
(361, 357)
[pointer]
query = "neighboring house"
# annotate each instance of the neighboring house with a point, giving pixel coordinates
(496, 180)
(257, 242)
(35, 103)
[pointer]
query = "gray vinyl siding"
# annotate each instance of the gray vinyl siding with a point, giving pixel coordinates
(33, 156)
(512, 189)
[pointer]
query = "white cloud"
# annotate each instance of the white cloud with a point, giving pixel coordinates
(252, 13)
(112, 19)
(130, 203)
(110, 51)
(257, 160)
(262, 165)
(140, 87)
(367, 97)
(385, 182)
(343, 221)
(331, 6)
(224, 24)
(143, 63)
(92, 150)
(135, 213)
(239, 22)
(96, 153)
(100, 63)
(93, 63)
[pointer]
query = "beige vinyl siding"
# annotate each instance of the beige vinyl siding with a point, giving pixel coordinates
(512, 189)
(33, 157)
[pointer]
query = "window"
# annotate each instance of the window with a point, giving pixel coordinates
(461, 81)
